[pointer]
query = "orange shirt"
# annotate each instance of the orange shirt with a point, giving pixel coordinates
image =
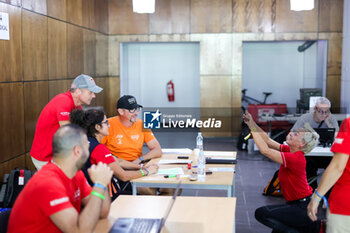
(126, 142)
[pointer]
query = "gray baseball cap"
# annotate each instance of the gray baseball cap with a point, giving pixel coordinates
(85, 81)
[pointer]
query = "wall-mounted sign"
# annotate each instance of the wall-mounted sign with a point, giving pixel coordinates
(4, 26)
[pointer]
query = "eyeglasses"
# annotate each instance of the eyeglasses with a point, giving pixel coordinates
(105, 122)
(320, 111)
(134, 110)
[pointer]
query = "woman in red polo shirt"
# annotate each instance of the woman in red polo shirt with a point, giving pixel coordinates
(337, 174)
(289, 217)
(96, 124)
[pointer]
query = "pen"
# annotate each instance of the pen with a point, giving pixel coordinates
(169, 176)
(194, 166)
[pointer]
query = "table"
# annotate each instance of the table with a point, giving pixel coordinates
(320, 151)
(217, 180)
(189, 214)
(293, 118)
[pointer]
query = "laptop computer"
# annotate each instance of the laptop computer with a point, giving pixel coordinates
(143, 225)
(326, 136)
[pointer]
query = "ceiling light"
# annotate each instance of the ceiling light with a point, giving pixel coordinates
(143, 6)
(301, 5)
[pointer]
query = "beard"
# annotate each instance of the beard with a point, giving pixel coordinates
(81, 162)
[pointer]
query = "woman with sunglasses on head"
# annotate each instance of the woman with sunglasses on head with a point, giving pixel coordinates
(96, 124)
(292, 216)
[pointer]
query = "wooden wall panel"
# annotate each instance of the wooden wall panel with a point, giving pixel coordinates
(122, 20)
(88, 10)
(334, 57)
(34, 46)
(75, 51)
(89, 38)
(13, 2)
(219, 99)
(333, 90)
(75, 12)
(11, 50)
(211, 16)
(35, 5)
(171, 16)
(57, 49)
(11, 120)
(216, 53)
(109, 96)
(253, 16)
(36, 96)
(295, 21)
(6, 167)
(58, 86)
(331, 16)
(57, 9)
(101, 55)
(101, 15)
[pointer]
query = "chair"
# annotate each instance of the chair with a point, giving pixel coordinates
(4, 219)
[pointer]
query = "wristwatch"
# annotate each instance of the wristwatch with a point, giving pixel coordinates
(142, 159)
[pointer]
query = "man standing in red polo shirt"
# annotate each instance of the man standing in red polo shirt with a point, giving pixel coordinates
(56, 114)
(337, 175)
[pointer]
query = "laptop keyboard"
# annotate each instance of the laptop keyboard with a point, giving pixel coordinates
(143, 225)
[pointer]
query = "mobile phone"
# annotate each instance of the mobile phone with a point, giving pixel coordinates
(182, 157)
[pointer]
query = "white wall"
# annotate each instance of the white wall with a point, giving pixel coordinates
(279, 68)
(345, 72)
(147, 67)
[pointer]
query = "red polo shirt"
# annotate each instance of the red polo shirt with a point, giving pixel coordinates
(339, 202)
(58, 109)
(292, 175)
(47, 192)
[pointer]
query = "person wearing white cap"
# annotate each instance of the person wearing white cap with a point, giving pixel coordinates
(56, 114)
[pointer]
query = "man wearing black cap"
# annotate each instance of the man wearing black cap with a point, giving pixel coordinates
(126, 134)
(56, 114)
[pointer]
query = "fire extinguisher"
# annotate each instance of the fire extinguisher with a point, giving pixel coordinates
(171, 91)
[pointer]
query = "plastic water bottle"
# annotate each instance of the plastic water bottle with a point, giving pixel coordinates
(201, 158)
(199, 141)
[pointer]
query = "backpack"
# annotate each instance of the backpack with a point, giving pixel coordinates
(273, 188)
(16, 181)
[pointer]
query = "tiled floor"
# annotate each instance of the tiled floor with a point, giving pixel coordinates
(252, 174)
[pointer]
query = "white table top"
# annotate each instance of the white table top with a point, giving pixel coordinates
(320, 151)
(189, 214)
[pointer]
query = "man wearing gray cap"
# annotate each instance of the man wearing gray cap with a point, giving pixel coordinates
(56, 114)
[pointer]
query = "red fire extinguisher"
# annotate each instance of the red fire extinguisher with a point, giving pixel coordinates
(171, 91)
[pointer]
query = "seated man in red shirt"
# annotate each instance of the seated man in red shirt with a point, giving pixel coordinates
(51, 201)
(289, 217)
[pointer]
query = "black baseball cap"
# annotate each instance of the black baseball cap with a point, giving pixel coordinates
(128, 102)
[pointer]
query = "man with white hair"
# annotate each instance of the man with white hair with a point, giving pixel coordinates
(321, 117)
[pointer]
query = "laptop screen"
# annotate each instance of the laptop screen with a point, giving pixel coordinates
(326, 135)
(170, 206)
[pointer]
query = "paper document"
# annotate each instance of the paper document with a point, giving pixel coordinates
(221, 169)
(171, 171)
(174, 161)
(185, 151)
(218, 153)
